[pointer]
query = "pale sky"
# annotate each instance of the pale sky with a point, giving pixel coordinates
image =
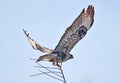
(96, 57)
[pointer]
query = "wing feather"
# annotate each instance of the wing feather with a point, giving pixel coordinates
(77, 30)
(35, 45)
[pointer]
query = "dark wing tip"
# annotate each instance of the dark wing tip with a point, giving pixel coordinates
(25, 32)
(90, 10)
(83, 11)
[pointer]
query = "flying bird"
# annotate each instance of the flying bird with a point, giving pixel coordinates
(73, 34)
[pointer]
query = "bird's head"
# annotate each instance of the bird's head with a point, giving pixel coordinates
(69, 56)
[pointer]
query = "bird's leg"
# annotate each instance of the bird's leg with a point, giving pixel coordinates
(53, 63)
(57, 65)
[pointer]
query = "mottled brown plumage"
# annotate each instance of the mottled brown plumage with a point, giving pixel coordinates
(74, 33)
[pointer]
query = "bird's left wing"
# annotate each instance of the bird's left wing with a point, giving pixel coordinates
(35, 45)
(77, 30)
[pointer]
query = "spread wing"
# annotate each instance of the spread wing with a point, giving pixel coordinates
(35, 45)
(77, 30)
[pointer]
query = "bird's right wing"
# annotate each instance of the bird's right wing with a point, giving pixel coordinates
(35, 45)
(75, 32)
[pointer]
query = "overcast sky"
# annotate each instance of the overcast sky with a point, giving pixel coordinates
(96, 57)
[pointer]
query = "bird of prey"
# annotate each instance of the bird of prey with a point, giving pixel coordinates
(74, 33)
